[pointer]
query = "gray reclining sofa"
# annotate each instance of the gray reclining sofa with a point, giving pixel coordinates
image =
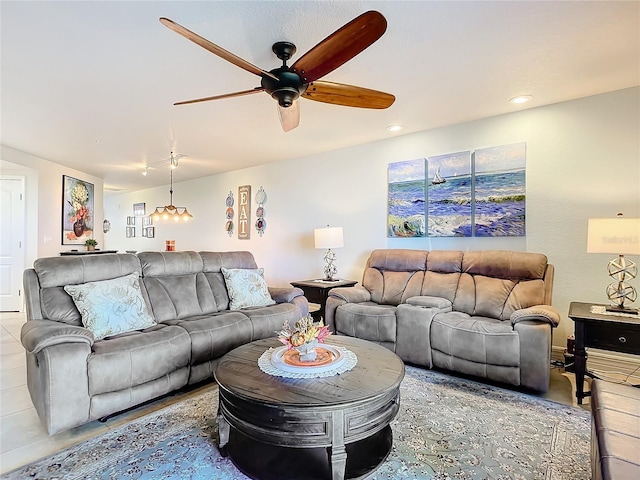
(74, 378)
(484, 313)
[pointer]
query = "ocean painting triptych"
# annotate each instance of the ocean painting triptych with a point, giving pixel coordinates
(463, 194)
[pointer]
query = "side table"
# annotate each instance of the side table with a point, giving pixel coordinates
(317, 291)
(607, 332)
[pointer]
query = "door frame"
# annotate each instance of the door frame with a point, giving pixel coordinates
(19, 260)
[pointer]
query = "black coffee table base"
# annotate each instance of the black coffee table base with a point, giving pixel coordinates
(264, 461)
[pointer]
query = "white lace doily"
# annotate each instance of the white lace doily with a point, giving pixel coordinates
(603, 311)
(267, 366)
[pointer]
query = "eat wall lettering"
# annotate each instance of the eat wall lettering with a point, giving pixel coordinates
(244, 212)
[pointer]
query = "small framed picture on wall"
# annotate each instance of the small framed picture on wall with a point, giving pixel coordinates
(131, 220)
(151, 232)
(138, 209)
(131, 232)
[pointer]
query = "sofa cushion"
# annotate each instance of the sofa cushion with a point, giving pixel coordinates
(180, 296)
(111, 307)
(176, 285)
(368, 320)
(56, 272)
(136, 358)
(214, 335)
(213, 263)
(246, 288)
(267, 321)
(476, 339)
(505, 264)
(392, 276)
(167, 264)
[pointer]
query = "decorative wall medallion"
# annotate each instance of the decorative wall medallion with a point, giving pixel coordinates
(261, 196)
(261, 223)
(229, 213)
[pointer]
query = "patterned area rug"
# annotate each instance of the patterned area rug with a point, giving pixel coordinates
(447, 428)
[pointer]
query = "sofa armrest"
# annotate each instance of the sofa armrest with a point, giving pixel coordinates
(542, 313)
(426, 301)
(285, 294)
(38, 334)
(355, 294)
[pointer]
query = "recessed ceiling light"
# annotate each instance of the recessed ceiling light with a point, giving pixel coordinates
(395, 128)
(521, 99)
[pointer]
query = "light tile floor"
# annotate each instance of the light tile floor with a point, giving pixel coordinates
(24, 440)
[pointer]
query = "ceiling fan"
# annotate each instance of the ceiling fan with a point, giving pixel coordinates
(302, 79)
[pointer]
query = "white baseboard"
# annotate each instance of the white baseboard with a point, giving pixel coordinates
(610, 363)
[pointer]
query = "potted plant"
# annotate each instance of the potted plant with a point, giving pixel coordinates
(90, 244)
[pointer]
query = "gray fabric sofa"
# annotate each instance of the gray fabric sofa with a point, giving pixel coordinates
(484, 313)
(73, 378)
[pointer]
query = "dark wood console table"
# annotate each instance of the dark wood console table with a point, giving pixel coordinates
(317, 291)
(606, 332)
(86, 252)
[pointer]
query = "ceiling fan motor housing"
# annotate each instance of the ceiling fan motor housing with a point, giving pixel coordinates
(287, 88)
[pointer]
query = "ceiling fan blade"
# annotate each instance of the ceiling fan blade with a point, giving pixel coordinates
(348, 95)
(341, 46)
(218, 97)
(289, 116)
(215, 49)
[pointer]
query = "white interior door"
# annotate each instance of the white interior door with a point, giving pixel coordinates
(11, 242)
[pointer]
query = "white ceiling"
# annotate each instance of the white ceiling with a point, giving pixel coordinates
(90, 85)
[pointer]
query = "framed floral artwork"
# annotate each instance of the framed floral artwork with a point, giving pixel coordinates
(77, 211)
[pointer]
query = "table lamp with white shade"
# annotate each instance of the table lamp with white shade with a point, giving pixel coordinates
(620, 236)
(329, 237)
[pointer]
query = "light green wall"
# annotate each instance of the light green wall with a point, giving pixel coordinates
(583, 160)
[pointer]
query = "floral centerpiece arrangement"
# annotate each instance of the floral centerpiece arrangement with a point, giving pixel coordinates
(79, 211)
(304, 337)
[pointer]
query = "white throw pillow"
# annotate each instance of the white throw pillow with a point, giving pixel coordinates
(246, 288)
(110, 307)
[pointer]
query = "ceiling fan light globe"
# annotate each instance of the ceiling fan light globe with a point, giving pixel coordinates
(285, 96)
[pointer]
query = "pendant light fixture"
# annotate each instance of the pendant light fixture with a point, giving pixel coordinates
(171, 211)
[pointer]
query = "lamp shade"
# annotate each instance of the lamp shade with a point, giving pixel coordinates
(328, 237)
(614, 235)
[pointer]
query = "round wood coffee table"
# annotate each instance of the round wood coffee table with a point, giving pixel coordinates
(288, 428)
